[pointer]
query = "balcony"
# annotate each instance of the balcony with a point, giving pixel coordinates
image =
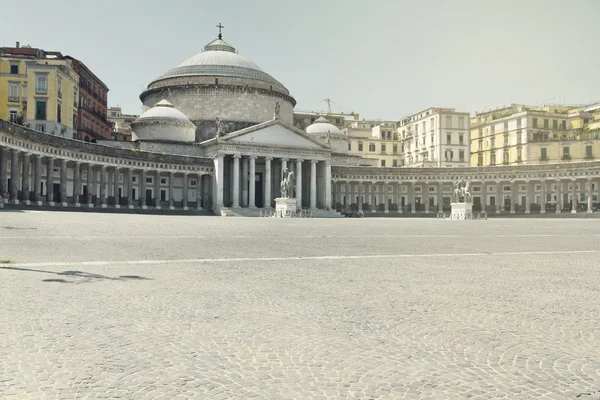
(60, 95)
(13, 99)
(41, 90)
(566, 157)
(588, 157)
(543, 158)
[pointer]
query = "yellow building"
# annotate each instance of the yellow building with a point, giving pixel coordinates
(526, 135)
(375, 140)
(39, 89)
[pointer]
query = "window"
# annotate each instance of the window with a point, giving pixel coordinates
(14, 69)
(588, 151)
(461, 155)
(566, 153)
(534, 122)
(40, 110)
(519, 154)
(480, 144)
(480, 132)
(518, 123)
(394, 163)
(371, 147)
(12, 117)
(448, 122)
(41, 84)
(480, 160)
(493, 142)
(383, 163)
(59, 86)
(58, 114)
(113, 113)
(545, 123)
(493, 158)
(395, 149)
(360, 146)
(449, 155)
(148, 179)
(13, 92)
(461, 139)
(349, 146)
(193, 182)
(554, 124)
(163, 181)
(449, 138)
(506, 140)
(505, 156)
(74, 121)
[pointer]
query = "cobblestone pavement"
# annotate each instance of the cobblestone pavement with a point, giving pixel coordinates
(158, 307)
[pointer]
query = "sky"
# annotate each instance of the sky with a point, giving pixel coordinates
(381, 58)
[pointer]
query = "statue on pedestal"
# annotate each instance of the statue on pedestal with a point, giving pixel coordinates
(288, 184)
(461, 190)
(276, 113)
(219, 128)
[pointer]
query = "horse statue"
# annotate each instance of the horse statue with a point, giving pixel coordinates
(288, 184)
(461, 189)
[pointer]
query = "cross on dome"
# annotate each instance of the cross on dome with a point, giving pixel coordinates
(220, 26)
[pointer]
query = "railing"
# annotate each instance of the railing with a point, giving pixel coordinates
(566, 157)
(39, 90)
(13, 98)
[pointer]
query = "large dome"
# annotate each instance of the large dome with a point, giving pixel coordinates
(219, 63)
(321, 126)
(220, 83)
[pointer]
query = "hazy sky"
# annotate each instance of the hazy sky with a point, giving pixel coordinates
(383, 59)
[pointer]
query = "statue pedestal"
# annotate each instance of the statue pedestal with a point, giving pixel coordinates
(285, 207)
(461, 211)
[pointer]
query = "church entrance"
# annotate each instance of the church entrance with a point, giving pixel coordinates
(258, 190)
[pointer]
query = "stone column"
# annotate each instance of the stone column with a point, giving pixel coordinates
(373, 206)
(116, 187)
(157, 191)
(128, 187)
(63, 182)
(483, 197)
(76, 183)
(425, 191)
(386, 207)
(399, 188)
(184, 202)
(499, 199)
(37, 180)
(252, 183)
(528, 196)
(411, 197)
(236, 181)
(558, 197)
(90, 185)
(3, 171)
(50, 181)
(513, 196)
(25, 179)
(299, 183)
(328, 205)
(200, 192)
(268, 194)
(171, 191)
(574, 197)
(219, 164)
(103, 182)
(348, 193)
(142, 194)
(313, 184)
(245, 180)
(590, 208)
(15, 176)
(543, 205)
(284, 165)
(440, 198)
(359, 189)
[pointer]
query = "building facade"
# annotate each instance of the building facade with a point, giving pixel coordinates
(92, 122)
(375, 140)
(39, 89)
(436, 137)
(120, 124)
(526, 135)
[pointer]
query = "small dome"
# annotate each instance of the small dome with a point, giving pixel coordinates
(164, 122)
(321, 126)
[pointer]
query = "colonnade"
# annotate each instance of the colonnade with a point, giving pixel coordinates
(251, 181)
(490, 195)
(43, 179)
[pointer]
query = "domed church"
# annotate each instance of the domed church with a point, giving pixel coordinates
(220, 83)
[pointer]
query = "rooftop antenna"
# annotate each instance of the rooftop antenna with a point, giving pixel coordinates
(220, 27)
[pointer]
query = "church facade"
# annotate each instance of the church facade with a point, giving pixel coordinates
(216, 136)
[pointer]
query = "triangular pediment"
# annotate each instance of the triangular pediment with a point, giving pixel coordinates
(275, 133)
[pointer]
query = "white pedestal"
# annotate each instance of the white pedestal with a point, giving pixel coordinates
(285, 207)
(461, 211)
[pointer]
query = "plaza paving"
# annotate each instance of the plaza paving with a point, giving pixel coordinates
(160, 307)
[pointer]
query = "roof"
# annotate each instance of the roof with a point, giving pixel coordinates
(322, 126)
(164, 111)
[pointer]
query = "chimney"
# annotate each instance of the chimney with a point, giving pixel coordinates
(18, 45)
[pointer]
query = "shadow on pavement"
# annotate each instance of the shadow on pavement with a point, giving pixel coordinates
(86, 276)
